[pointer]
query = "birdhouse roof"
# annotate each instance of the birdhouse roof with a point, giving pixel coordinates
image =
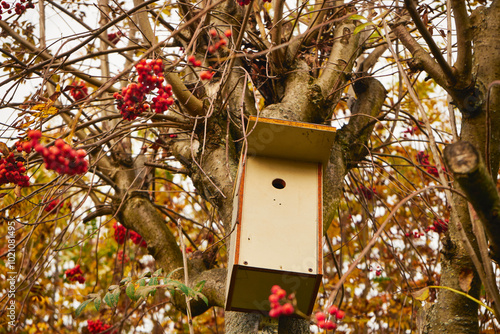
(285, 139)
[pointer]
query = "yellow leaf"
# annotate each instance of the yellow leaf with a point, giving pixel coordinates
(38, 107)
(421, 294)
(46, 109)
(27, 124)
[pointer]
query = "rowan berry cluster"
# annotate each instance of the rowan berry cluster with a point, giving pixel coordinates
(410, 130)
(19, 7)
(132, 100)
(416, 234)
(423, 159)
(204, 75)
(13, 171)
(60, 157)
(97, 326)
(122, 258)
(192, 59)
(217, 40)
(75, 275)
(439, 226)
(78, 90)
(280, 304)
(121, 235)
(328, 324)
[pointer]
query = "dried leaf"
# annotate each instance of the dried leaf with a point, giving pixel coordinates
(54, 96)
(465, 279)
(421, 294)
(4, 149)
(17, 191)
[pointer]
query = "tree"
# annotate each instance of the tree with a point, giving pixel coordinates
(128, 115)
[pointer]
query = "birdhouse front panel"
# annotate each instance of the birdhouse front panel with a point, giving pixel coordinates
(280, 204)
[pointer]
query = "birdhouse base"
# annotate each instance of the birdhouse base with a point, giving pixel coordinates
(251, 287)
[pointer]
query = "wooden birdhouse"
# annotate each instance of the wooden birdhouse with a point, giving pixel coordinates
(277, 219)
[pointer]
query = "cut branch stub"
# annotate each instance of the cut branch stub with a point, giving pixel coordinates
(462, 158)
(469, 170)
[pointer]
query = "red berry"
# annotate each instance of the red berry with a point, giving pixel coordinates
(281, 293)
(81, 153)
(275, 288)
(287, 309)
(274, 313)
(330, 325)
(34, 134)
(332, 310)
(228, 33)
(213, 32)
(320, 316)
(340, 314)
(273, 298)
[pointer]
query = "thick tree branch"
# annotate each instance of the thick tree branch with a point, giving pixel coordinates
(469, 170)
(436, 52)
(424, 59)
(351, 143)
(464, 44)
(370, 98)
(344, 52)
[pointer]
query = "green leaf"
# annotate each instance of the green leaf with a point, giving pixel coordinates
(357, 17)
(125, 280)
(184, 289)
(110, 300)
(158, 272)
(153, 281)
(82, 307)
(361, 27)
(130, 291)
(146, 274)
(200, 285)
(97, 304)
(144, 291)
(116, 295)
(113, 287)
(141, 282)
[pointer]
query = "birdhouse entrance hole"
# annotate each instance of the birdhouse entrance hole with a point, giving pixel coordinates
(279, 183)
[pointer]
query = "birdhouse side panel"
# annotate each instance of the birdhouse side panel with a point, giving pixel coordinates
(279, 218)
(233, 246)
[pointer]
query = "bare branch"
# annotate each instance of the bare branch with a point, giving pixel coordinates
(436, 52)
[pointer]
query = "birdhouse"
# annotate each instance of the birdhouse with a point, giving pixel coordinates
(277, 226)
